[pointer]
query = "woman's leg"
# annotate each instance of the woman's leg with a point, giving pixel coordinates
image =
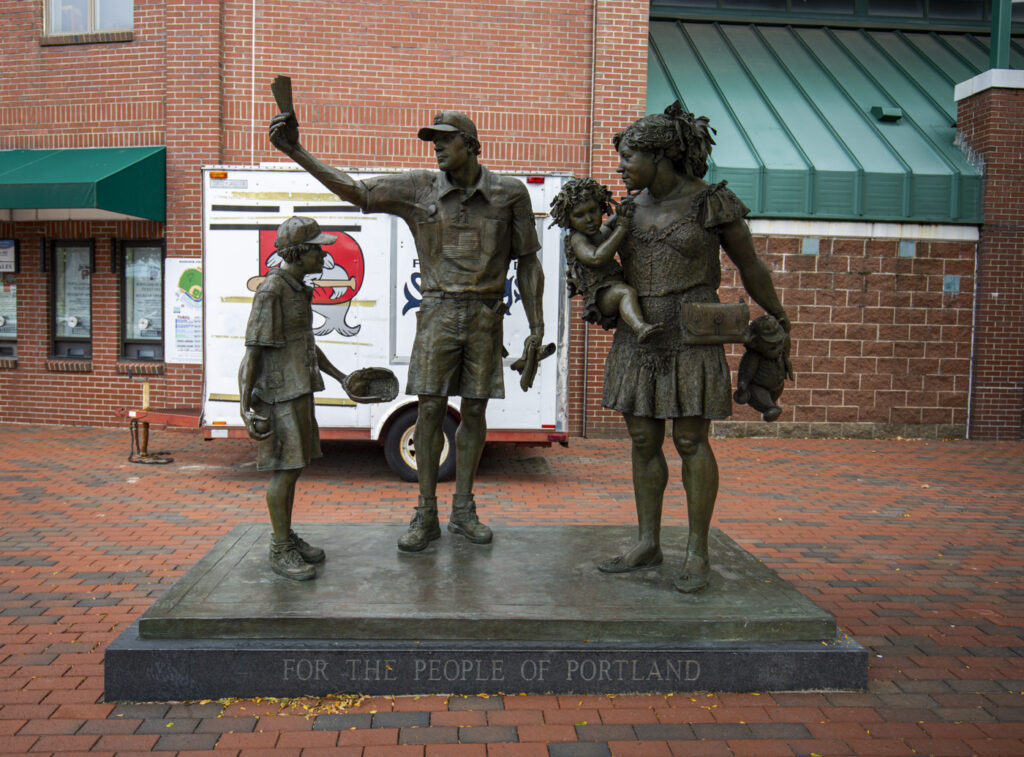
(650, 476)
(700, 480)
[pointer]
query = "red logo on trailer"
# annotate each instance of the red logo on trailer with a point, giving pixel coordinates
(343, 264)
(342, 278)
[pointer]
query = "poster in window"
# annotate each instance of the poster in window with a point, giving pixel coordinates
(143, 293)
(8, 256)
(8, 305)
(183, 314)
(73, 292)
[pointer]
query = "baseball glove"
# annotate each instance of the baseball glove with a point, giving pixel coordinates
(371, 385)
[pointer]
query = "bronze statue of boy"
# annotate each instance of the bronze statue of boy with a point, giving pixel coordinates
(469, 225)
(276, 381)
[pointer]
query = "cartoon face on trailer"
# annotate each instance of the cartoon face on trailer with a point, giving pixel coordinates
(342, 278)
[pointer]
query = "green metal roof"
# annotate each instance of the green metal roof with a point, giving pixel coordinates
(128, 180)
(797, 137)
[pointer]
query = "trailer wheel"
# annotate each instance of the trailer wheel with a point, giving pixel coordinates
(400, 450)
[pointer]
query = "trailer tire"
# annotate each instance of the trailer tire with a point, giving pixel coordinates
(400, 452)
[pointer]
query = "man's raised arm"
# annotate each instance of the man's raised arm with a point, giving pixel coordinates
(284, 135)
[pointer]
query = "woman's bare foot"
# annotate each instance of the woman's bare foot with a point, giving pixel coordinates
(642, 556)
(695, 574)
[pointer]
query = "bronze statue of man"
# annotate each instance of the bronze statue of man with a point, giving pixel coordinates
(469, 225)
(276, 381)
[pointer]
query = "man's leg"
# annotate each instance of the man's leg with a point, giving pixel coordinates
(429, 441)
(284, 558)
(469, 445)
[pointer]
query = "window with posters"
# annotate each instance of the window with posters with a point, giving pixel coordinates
(86, 16)
(142, 304)
(71, 303)
(8, 298)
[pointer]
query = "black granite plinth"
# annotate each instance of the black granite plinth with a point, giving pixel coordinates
(528, 613)
(148, 669)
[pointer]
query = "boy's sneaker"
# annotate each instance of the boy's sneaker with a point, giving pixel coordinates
(286, 561)
(308, 552)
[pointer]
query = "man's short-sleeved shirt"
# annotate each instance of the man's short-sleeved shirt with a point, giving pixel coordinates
(465, 239)
(281, 321)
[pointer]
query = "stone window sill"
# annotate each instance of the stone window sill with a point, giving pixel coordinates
(68, 365)
(141, 367)
(88, 38)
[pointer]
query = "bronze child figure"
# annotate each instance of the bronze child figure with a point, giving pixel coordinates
(590, 255)
(276, 381)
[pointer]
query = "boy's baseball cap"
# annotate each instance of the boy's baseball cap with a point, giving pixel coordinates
(301, 230)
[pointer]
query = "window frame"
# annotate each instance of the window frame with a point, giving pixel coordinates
(91, 30)
(60, 344)
(9, 343)
(126, 345)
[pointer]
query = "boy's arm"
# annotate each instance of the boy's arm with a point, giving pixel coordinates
(327, 367)
(246, 380)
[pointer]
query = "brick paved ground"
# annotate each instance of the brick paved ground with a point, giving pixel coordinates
(917, 548)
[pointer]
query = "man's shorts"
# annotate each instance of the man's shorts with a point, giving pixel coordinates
(457, 351)
(294, 436)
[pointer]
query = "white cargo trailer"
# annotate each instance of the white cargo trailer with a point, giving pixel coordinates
(364, 311)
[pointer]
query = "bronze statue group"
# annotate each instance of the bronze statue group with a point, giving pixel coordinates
(667, 360)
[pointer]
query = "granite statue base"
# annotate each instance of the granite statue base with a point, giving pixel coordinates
(527, 613)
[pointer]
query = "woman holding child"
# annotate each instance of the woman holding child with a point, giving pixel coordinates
(670, 256)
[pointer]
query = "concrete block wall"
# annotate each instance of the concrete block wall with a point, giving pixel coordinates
(879, 349)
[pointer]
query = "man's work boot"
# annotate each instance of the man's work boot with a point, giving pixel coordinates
(307, 551)
(423, 528)
(464, 520)
(286, 561)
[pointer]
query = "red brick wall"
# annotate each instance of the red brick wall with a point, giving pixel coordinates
(34, 393)
(620, 97)
(84, 95)
(94, 95)
(366, 75)
(989, 124)
(878, 348)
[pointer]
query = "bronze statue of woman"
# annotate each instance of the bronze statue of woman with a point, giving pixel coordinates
(671, 257)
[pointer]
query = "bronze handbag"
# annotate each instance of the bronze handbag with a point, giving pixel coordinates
(714, 322)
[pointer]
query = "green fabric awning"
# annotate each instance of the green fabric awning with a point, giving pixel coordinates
(815, 122)
(126, 180)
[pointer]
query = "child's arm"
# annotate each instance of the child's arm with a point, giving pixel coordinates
(599, 255)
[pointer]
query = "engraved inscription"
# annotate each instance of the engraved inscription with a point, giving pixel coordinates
(459, 670)
(371, 670)
(632, 670)
(534, 670)
(305, 669)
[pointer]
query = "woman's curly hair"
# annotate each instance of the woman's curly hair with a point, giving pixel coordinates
(575, 193)
(684, 139)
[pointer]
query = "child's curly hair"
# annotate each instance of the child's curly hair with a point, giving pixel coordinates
(575, 193)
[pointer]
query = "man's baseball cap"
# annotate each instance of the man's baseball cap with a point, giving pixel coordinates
(301, 230)
(448, 122)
